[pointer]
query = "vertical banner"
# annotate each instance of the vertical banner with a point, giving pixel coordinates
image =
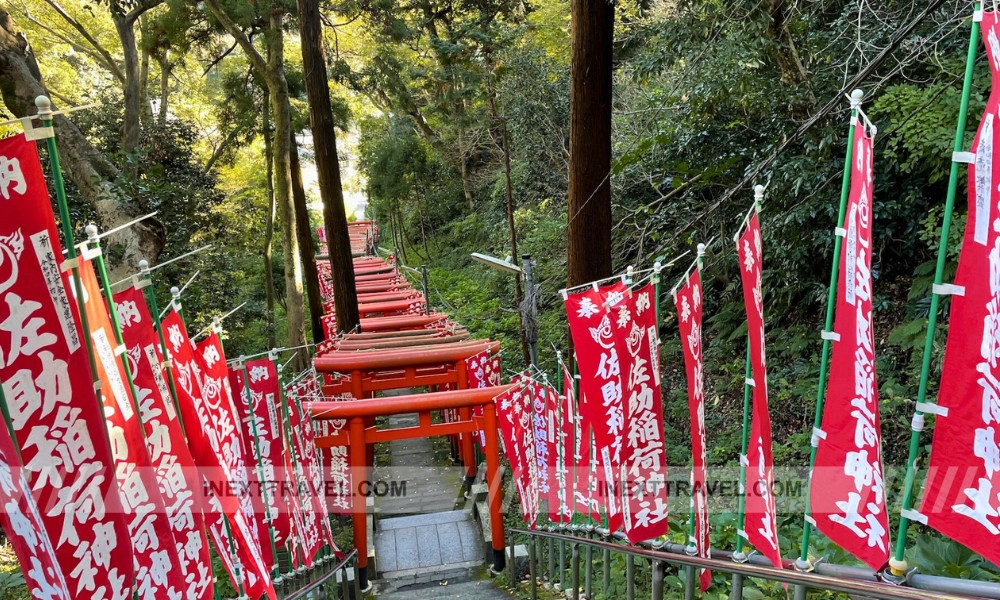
(260, 478)
(483, 371)
(688, 300)
(847, 487)
(157, 566)
(761, 522)
(644, 468)
(49, 391)
(263, 405)
(176, 475)
(205, 421)
(514, 417)
(599, 357)
(312, 469)
(312, 535)
(963, 476)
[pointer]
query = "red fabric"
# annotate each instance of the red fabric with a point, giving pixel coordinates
(644, 467)
(49, 391)
(514, 419)
(157, 566)
(483, 371)
(688, 301)
(313, 470)
(600, 356)
(176, 474)
(257, 476)
(963, 478)
(761, 523)
(540, 423)
(212, 435)
(311, 532)
(847, 491)
(566, 445)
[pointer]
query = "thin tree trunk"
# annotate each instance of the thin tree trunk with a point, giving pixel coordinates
(307, 251)
(164, 61)
(278, 87)
(146, 109)
(509, 189)
(269, 228)
(328, 167)
(131, 126)
(589, 227)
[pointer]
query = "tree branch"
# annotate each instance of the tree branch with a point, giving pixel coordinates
(111, 64)
(241, 38)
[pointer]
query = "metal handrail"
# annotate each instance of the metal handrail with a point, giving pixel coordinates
(341, 567)
(675, 555)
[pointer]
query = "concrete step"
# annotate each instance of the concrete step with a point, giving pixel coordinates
(476, 589)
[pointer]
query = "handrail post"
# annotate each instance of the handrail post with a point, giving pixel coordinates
(629, 576)
(532, 567)
(359, 516)
(658, 569)
(576, 571)
(494, 485)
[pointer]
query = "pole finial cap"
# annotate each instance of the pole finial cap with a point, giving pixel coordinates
(856, 97)
(143, 264)
(758, 192)
(175, 291)
(43, 104)
(701, 250)
(91, 231)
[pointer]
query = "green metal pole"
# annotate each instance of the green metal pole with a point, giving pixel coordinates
(741, 510)
(150, 294)
(897, 565)
(102, 272)
(287, 425)
(260, 465)
(831, 302)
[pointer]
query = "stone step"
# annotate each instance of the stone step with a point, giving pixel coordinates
(476, 589)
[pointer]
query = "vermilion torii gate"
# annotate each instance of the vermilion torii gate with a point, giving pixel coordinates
(400, 347)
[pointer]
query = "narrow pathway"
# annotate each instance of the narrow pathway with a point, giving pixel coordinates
(425, 546)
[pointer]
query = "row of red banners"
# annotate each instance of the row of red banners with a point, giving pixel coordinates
(118, 459)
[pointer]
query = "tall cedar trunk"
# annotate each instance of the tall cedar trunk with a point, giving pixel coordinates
(328, 167)
(307, 251)
(509, 189)
(589, 229)
(90, 172)
(269, 227)
(133, 84)
(278, 88)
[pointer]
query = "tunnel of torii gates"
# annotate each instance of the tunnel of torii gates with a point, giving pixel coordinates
(401, 344)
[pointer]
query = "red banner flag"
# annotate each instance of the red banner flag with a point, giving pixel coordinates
(483, 371)
(847, 491)
(308, 495)
(688, 300)
(260, 478)
(312, 468)
(644, 467)
(599, 354)
(761, 523)
(514, 418)
(963, 475)
(49, 391)
(176, 474)
(566, 447)
(157, 566)
(199, 391)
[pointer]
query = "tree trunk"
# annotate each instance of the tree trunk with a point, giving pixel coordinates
(90, 172)
(278, 88)
(589, 228)
(147, 111)
(131, 126)
(269, 227)
(164, 61)
(328, 167)
(307, 251)
(509, 189)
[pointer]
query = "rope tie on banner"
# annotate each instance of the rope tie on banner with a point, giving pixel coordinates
(932, 409)
(750, 382)
(817, 435)
(967, 158)
(948, 289)
(832, 336)
(840, 232)
(914, 515)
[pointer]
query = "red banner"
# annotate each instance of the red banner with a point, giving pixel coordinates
(514, 418)
(157, 565)
(207, 423)
(963, 477)
(49, 391)
(301, 393)
(260, 478)
(761, 522)
(23, 523)
(176, 475)
(688, 300)
(600, 352)
(308, 495)
(847, 491)
(644, 467)
(565, 448)
(483, 370)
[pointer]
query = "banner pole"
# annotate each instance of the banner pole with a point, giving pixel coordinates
(175, 301)
(897, 564)
(94, 241)
(744, 445)
(260, 468)
(803, 564)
